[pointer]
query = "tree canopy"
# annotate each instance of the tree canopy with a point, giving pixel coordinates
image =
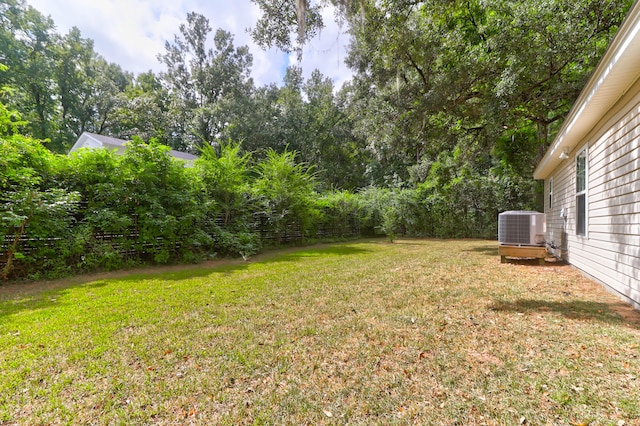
(492, 79)
(482, 85)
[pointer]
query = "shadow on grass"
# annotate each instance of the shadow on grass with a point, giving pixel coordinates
(233, 265)
(18, 297)
(309, 253)
(580, 310)
(489, 251)
(46, 294)
(188, 272)
(532, 262)
(45, 298)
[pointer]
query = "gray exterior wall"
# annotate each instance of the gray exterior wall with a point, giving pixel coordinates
(610, 250)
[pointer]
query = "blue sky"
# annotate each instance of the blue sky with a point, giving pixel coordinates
(132, 33)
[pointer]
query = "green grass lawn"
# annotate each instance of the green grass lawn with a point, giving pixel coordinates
(411, 332)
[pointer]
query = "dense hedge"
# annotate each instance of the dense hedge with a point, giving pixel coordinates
(96, 210)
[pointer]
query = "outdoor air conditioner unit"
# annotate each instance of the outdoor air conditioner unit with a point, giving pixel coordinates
(521, 228)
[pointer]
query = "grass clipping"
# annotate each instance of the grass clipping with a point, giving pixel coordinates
(414, 332)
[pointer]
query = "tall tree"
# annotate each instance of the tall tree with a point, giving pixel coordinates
(203, 83)
(288, 24)
(27, 40)
(74, 75)
(259, 126)
(143, 109)
(91, 91)
(331, 143)
(107, 96)
(62, 86)
(308, 118)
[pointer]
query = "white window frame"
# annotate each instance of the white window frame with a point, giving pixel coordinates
(550, 206)
(584, 192)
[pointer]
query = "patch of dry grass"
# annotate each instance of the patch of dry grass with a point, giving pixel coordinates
(414, 332)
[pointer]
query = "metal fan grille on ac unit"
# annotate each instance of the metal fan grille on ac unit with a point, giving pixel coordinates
(520, 227)
(514, 229)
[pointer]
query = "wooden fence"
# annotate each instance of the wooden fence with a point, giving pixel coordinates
(36, 253)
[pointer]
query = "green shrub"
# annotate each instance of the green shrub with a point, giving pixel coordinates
(35, 219)
(339, 214)
(97, 210)
(284, 193)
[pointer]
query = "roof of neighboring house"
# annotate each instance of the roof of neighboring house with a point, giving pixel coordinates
(115, 143)
(106, 140)
(618, 70)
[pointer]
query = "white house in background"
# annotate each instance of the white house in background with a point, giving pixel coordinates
(591, 172)
(94, 141)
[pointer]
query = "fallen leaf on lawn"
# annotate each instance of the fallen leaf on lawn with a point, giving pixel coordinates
(486, 357)
(327, 413)
(423, 355)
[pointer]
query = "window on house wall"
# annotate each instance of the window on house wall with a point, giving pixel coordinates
(581, 193)
(550, 193)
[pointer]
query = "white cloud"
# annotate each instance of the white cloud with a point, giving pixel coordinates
(327, 52)
(133, 32)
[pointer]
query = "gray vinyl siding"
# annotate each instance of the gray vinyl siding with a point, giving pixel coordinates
(610, 250)
(557, 228)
